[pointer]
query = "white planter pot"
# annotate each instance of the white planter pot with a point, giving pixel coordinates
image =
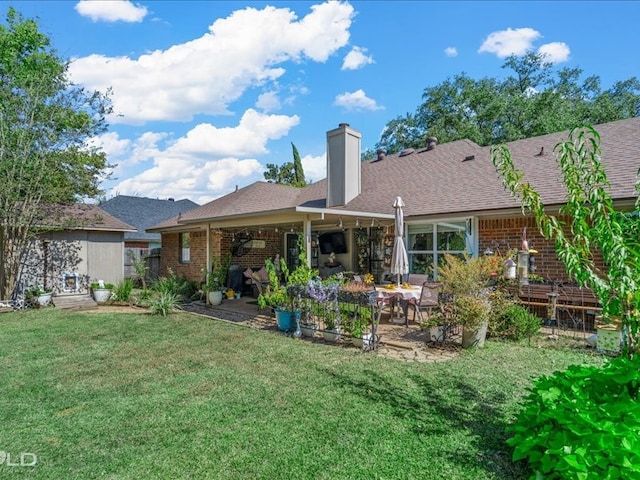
(308, 330)
(215, 298)
(331, 335)
(44, 299)
(101, 295)
(474, 337)
(362, 342)
(436, 333)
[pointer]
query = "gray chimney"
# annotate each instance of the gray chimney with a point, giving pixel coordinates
(431, 143)
(343, 165)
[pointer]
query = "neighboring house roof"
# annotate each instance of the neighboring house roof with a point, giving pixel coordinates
(144, 212)
(456, 178)
(81, 216)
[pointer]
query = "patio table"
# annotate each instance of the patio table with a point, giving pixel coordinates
(403, 295)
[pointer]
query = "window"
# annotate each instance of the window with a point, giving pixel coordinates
(185, 250)
(428, 242)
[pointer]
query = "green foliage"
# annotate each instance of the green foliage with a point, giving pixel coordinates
(583, 423)
(106, 286)
(181, 287)
(216, 279)
(535, 100)
(139, 267)
(597, 228)
(122, 291)
(164, 303)
(515, 322)
(297, 168)
(276, 295)
(289, 173)
(45, 124)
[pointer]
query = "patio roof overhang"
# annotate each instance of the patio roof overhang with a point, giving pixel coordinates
(296, 217)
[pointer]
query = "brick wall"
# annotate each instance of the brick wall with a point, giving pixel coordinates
(500, 234)
(220, 243)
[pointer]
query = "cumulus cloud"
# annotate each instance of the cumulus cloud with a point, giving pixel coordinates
(315, 168)
(356, 58)
(555, 52)
(241, 51)
(512, 41)
(206, 163)
(357, 100)
(111, 10)
(451, 52)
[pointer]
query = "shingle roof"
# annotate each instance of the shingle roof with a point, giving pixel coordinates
(142, 212)
(80, 216)
(453, 178)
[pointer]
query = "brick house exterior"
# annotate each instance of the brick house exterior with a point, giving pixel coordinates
(449, 186)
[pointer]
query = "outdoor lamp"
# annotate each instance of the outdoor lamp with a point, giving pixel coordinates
(523, 267)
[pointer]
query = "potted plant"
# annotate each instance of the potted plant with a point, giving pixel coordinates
(435, 326)
(101, 291)
(217, 278)
(467, 281)
(276, 296)
(39, 296)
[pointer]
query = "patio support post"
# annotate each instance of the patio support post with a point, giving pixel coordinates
(208, 262)
(306, 229)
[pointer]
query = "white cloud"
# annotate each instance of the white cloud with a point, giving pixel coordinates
(268, 101)
(510, 42)
(111, 10)
(206, 163)
(451, 52)
(315, 168)
(356, 58)
(357, 100)
(555, 52)
(207, 74)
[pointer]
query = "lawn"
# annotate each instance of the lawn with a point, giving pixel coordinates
(132, 396)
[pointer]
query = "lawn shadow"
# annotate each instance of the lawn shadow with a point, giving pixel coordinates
(434, 408)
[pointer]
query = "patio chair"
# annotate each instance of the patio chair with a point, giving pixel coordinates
(417, 278)
(427, 302)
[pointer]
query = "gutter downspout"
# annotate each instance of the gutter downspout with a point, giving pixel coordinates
(208, 262)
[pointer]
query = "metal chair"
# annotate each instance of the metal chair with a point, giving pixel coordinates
(428, 300)
(417, 278)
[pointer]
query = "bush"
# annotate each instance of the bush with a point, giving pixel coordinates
(179, 286)
(583, 423)
(163, 304)
(515, 322)
(122, 291)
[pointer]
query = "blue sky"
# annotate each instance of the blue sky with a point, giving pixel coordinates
(208, 92)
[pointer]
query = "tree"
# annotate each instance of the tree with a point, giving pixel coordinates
(535, 101)
(297, 168)
(289, 173)
(45, 159)
(595, 226)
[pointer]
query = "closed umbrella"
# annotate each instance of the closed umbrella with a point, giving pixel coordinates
(399, 260)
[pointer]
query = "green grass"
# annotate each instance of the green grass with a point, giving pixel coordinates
(137, 396)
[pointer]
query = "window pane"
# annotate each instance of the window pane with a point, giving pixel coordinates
(185, 250)
(451, 236)
(420, 237)
(421, 263)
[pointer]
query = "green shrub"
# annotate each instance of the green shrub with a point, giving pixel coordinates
(163, 304)
(179, 286)
(583, 423)
(122, 291)
(515, 322)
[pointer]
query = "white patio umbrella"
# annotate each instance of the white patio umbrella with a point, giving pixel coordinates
(399, 260)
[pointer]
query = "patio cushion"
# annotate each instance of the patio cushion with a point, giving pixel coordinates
(248, 273)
